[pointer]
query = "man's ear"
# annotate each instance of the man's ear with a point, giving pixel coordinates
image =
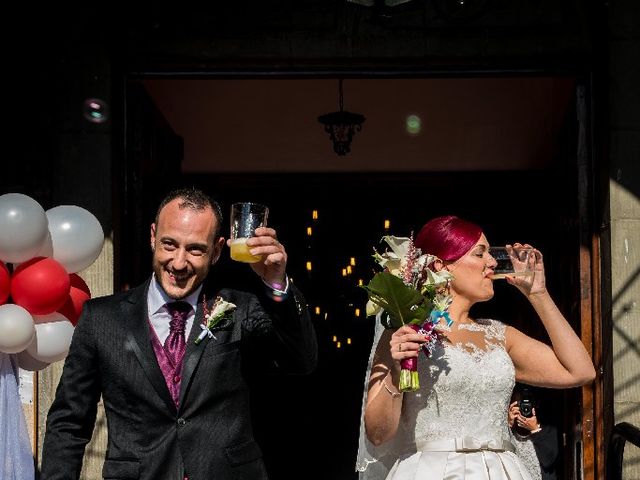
(153, 237)
(217, 250)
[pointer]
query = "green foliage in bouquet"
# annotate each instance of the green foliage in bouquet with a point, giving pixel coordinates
(403, 304)
(408, 292)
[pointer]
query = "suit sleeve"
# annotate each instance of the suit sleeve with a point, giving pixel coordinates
(283, 332)
(72, 415)
(546, 445)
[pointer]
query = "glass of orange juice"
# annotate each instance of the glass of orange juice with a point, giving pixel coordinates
(245, 218)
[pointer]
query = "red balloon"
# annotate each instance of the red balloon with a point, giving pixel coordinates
(40, 285)
(5, 283)
(78, 294)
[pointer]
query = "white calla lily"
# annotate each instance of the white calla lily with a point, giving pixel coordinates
(438, 278)
(372, 308)
(410, 293)
(220, 308)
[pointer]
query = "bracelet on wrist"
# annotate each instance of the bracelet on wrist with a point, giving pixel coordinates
(391, 392)
(278, 292)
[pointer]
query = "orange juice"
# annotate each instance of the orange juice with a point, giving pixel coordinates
(240, 251)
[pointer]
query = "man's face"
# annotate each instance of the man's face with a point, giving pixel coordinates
(183, 248)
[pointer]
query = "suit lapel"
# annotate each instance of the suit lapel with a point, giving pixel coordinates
(139, 340)
(194, 352)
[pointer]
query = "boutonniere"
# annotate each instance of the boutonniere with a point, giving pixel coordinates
(220, 310)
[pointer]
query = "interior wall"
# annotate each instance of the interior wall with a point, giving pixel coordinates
(460, 124)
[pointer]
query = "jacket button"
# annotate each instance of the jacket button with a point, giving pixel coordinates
(182, 422)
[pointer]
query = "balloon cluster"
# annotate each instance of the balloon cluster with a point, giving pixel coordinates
(41, 296)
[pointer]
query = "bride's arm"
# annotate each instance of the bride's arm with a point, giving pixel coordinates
(566, 363)
(384, 400)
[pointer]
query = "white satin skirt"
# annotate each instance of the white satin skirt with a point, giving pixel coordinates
(461, 459)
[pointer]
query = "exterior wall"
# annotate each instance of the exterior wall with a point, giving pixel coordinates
(624, 153)
(625, 256)
(99, 278)
(71, 160)
(324, 35)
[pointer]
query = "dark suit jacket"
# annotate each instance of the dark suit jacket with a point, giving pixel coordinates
(210, 434)
(546, 444)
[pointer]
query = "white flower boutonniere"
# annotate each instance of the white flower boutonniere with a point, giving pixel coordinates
(220, 310)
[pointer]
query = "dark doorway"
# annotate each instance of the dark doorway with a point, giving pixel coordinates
(309, 425)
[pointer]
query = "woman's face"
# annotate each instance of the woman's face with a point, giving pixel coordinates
(472, 273)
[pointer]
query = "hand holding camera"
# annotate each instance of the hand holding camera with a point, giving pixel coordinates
(525, 405)
(522, 415)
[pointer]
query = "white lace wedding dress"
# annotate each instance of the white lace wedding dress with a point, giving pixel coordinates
(455, 426)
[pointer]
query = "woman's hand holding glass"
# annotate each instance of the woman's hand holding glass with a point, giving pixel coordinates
(528, 284)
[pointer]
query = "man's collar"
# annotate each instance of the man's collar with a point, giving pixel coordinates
(157, 297)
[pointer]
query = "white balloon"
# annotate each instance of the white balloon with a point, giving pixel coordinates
(53, 337)
(49, 318)
(23, 227)
(27, 362)
(76, 236)
(16, 328)
(47, 247)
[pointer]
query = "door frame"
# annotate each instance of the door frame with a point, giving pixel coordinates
(592, 421)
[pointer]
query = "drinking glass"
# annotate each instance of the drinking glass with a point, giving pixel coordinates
(514, 263)
(245, 218)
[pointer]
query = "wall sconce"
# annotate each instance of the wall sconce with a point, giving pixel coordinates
(341, 126)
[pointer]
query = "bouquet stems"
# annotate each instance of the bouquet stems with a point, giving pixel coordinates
(409, 380)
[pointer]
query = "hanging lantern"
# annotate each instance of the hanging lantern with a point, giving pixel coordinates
(341, 125)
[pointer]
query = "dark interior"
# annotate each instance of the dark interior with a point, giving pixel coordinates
(310, 424)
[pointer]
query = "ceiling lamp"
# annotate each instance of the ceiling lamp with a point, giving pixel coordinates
(341, 126)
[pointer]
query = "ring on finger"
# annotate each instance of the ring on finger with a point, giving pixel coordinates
(400, 347)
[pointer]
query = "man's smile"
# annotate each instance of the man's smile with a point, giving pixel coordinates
(179, 277)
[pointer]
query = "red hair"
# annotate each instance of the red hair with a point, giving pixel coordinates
(448, 237)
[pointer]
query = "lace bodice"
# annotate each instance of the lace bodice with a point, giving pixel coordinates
(465, 388)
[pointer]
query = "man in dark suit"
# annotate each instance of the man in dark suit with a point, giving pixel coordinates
(176, 407)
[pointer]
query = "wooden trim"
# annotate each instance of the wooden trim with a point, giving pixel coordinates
(589, 466)
(597, 356)
(589, 270)
(36, 423)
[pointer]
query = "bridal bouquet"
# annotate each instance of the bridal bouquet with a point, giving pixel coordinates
(409, 293)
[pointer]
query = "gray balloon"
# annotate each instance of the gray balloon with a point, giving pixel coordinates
(76, 236)
(27, 362)
(23, 228)
(17, 329)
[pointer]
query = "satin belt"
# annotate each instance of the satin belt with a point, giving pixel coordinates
(464, 444)
(460, 458)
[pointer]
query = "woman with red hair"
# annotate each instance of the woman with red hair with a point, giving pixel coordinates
(455, 426)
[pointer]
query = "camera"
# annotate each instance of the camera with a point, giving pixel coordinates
(526, 404)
